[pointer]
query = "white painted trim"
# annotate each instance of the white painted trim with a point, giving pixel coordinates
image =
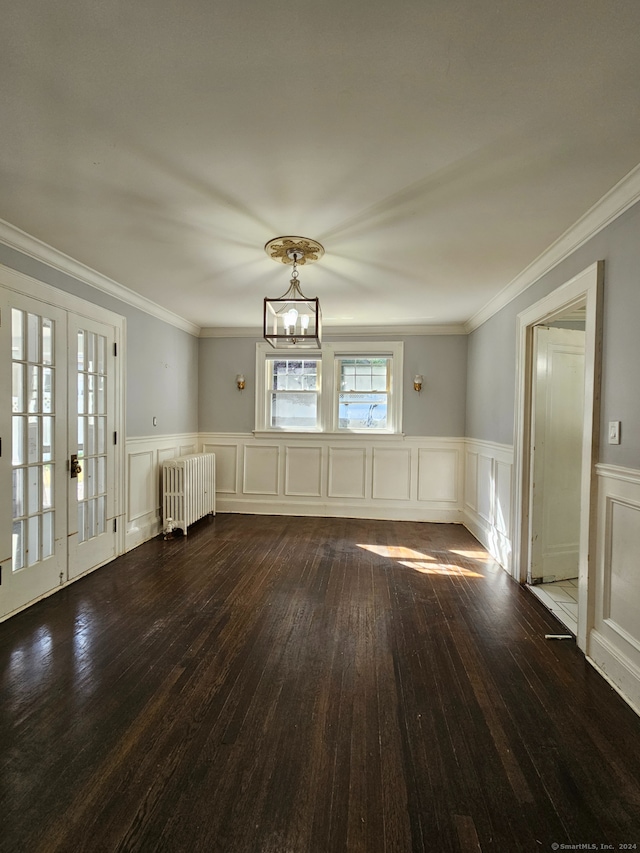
(332, 438)
(169, 440)
(39, 251)
(340, 331)
(495, 542)
(616, 472)
(487, 528)
(612, 205)
(586, 287)
(618, 670)
(502, 452)
(371, 509)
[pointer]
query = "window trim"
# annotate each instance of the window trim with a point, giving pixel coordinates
(328, 385)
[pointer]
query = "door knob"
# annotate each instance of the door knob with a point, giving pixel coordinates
(74, 466)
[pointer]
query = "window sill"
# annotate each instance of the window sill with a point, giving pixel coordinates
(319, 434)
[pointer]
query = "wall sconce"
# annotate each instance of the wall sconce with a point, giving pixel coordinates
(240, 382)
(417, 382)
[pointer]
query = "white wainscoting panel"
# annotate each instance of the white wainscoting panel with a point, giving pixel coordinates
(502, 496)
(471, 480)
(339, 476)
(347, 472)
(303, 472)
(485, 494)
(144, 492)
(141, 497)
(226, 466)
(438, 471)
(392, 473)
(261, 469)
(487, 499)
(614, 641)
(621, 593)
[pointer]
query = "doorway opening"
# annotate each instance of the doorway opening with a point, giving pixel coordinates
(556, 431)
(556, 441)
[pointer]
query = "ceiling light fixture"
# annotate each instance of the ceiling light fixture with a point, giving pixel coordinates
(293, 320)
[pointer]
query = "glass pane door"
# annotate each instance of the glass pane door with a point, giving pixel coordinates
(34, 342)
(91, 396)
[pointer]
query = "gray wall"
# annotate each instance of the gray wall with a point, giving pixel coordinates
(439, 410)
(162, 361)
(491, 348)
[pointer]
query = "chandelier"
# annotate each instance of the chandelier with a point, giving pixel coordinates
(293, 320)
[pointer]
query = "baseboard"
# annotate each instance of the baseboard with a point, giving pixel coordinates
(335, 509)
(621, 673)
(496, 543)
(142, 529)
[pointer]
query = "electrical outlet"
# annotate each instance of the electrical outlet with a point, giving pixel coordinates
(614, 432)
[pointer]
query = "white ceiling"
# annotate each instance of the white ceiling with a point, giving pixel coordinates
(435, 147)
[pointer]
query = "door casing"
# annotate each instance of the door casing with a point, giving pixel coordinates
(584, 289)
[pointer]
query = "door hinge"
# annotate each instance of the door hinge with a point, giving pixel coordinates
(115, 348)
(115, 437)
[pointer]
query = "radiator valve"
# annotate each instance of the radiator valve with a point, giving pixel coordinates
(169, 527)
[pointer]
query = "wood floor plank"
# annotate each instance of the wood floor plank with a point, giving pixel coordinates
(307, 685)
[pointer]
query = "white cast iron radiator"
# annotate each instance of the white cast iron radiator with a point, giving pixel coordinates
(189, 489)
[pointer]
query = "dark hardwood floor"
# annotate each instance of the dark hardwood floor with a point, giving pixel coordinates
(281, 685)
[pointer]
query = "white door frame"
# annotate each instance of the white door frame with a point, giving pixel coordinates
(24, 284)
(584, 289)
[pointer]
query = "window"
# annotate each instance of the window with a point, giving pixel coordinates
(293, 393)
(364, 392)
(346, 388)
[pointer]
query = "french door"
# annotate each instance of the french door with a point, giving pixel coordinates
(58, 393)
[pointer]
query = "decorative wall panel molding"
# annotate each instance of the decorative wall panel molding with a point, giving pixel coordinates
(614, 641)
(438, 475)
(391, 473)
(347, 472)
(303, 472)
(488, 494)
(140, 490)
(261, 473)
(144, 471)
(418, 479)
(226, 466)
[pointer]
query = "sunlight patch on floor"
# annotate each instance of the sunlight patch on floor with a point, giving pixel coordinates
(439, 569)
(396, 552)
(473, 554)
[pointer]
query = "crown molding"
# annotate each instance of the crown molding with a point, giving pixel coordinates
(39, 251)
(340, 331)
(612, 205)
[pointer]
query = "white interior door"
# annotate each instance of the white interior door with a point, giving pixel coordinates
(58, 397)
(34, 398)
(556, 463)
(92, 535)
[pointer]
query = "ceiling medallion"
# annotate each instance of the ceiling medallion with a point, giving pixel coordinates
(293, 320)
(282, 249)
